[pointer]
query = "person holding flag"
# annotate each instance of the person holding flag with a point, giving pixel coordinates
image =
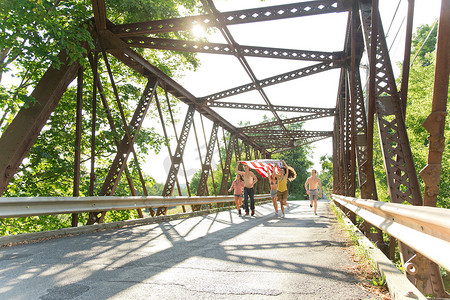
(286, 173)
(249, 181)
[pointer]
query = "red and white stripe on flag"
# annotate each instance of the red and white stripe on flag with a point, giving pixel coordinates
(263, 167)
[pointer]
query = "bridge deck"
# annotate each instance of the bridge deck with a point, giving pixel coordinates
(218, 256)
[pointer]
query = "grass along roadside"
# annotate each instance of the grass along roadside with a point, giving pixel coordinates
(365, 269)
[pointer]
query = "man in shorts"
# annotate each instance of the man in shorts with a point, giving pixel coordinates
(313, 188)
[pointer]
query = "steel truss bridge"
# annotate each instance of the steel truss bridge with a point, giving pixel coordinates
(353, 114)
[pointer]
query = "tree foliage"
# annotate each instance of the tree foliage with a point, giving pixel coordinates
(424, 43)
(32, 33)
(326, 175)
(420, 96)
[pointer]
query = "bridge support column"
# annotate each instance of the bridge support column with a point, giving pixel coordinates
(206, 166)
(400, 170)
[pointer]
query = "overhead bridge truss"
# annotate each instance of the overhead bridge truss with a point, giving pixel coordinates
(353, 115)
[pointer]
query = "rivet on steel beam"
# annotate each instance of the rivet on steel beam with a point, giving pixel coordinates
(8, 171)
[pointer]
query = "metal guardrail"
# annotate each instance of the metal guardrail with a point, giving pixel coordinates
(14, 207)
(424, 229)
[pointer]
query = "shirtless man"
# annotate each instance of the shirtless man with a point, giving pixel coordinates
(249, 181)
(314, 189)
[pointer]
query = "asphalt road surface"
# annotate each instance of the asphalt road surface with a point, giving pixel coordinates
(215, 256)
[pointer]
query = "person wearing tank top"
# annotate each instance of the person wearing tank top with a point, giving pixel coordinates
(282, 190)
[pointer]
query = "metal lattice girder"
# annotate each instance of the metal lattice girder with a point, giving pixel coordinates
(227, 168)
(400, 171)
(341, 179)
(310, 70)
(216, 48)
(297, 143)
(346, 145)
(122, 52)
(126, 145)
(279, 134)
(350, 157)
(365, 170)
(177, 156)
(19, 137)
(251, 106)
(285, 121)
(206, 167)
(232, 17)
(248, 154)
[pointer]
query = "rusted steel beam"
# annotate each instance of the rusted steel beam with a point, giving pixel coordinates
(19, 137)
(303, 72)
(335, 141)
(176, 137)
(348, 143)
(435, 125)
(94, 65)
(210, 7)
(158, 106)
(222, 167)
(407, 55)
(200, 159)
(227, 167)
(232, 17)
(285, 121)
(400, 171)
(216, 48)
(297, 143)
(109, 116)
(178, 154)
(366, 177)
(354, 59)
(122, 52)
(126, 145)
(341, 125)
(206, 166)
(248, 153)
(279, 134)
(99, 10)
(78, 135)
(250, 106)
(126, 128)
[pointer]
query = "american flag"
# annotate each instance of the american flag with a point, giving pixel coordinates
(265, 167)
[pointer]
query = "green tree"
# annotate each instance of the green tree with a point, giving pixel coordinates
(32, 34)
(420, 95)
(424, 42)
(326, 175)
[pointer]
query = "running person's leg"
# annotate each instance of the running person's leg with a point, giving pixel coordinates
(252, 200)
(282, 196)
(314, 195)
(273, 194)
(237, 203)
(246, 200)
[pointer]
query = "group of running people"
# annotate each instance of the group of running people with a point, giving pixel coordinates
(245, 181)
